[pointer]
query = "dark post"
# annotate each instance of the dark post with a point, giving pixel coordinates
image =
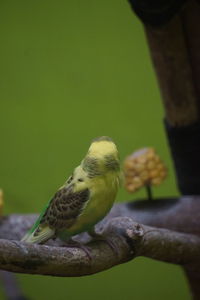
(173, 32)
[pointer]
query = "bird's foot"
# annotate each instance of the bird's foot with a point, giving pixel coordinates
(102, 237)
(73, 244)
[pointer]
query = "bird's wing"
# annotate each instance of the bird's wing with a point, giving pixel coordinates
(60, 213)
(65, 207)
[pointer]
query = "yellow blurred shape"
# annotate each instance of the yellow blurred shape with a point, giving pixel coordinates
(143, 167)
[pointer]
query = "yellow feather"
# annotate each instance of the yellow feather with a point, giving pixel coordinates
(99, 174)
(103, 188)
(101, 148)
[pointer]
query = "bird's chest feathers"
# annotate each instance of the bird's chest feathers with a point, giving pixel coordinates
(102, 195)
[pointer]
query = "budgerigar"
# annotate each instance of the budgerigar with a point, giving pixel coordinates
(84, 199)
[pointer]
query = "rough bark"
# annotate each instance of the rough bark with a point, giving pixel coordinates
(121, 226)
(174, 214)
(130, 239)
(174, 50)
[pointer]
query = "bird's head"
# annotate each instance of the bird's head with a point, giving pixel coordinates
(102, 156)
(102, 146)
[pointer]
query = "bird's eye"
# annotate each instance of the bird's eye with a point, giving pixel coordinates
(80, 179)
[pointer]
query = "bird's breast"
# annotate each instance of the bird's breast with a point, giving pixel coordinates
(102, 196)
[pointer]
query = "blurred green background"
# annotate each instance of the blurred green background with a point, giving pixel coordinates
(71, 71)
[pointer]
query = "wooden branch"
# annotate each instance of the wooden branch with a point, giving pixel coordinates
(174, 214)
(11, 286)
(190, 17)
(130, 239)
(174, 49)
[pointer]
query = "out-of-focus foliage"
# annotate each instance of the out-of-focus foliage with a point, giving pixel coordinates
(71, 71)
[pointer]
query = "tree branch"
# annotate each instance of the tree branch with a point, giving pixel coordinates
(170, 54)
(173, 213)
(130, 239)
(11, 286)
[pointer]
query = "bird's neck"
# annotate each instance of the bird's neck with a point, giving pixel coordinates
(107, 165)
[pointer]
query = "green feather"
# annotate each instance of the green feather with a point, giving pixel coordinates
(37, 222)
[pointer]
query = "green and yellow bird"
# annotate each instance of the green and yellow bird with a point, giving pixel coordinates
(84, 199)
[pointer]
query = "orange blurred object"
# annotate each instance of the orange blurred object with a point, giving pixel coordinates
(143, 168)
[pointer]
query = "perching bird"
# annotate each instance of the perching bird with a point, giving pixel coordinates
(84, 199)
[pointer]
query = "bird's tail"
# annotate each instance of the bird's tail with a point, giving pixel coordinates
(38, 236)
